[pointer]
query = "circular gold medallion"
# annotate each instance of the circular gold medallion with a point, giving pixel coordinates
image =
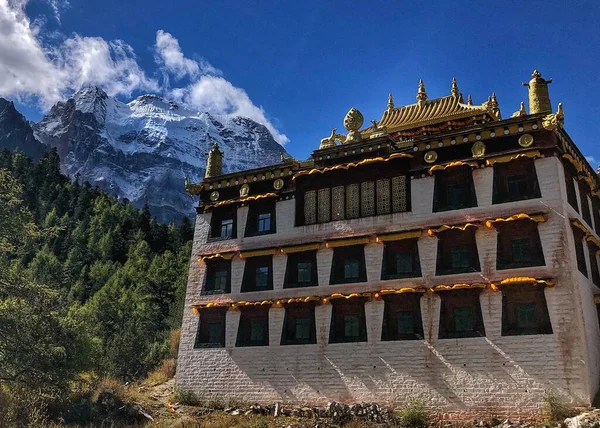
(430, 156)
(214, 196)
(526, 140)
(244, 190)
(478, 149)
(278, 184)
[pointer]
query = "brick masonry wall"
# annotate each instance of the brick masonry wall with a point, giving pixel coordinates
(492, 376)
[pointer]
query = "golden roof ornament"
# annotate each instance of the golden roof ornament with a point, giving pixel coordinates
(455, 92)
(214, 162)
(554, 120)
(421, 94)
(521, 111)
(469, 100)
(328, 142)
(539, 97)
(352, 122)
(390, 103)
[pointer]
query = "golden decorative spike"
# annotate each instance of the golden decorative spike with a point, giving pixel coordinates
(469, 100)
(421, 94)
(521, 111)
(390, 104)
(455, 92)
(493, 101)
(214, 162)
(539, 97)
(554, 120)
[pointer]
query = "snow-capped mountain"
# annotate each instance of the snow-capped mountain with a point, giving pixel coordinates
(143, 150)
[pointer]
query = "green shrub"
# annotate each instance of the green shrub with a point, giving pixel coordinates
(415, 414)
(556, 406)
(185, 397)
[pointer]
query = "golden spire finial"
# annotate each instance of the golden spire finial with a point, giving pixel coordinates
(455, 92)
(390, 104)
(214, 162)
(421, 94)
(493, 101)
(469, 100)
(539, 97)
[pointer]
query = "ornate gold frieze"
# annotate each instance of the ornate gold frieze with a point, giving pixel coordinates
(520, 216)
(351, 165)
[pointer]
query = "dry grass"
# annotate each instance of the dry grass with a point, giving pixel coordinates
(162, 374)
(174, 342)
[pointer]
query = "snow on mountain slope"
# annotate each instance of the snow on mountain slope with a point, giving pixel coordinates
(143, 150)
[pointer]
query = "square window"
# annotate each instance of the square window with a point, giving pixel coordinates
(257, 331)
(456, 195)
(404, 263)
(220, 280)
(226, 228)
(463, 319)
(520, 250)
(527, 315)
(351, 269)
(304, 272)
(460, 257)
(262, 277)
(215, 332)
(516, 186)
(405, 322)
(264, 222)
(351, 326)
(302, 328)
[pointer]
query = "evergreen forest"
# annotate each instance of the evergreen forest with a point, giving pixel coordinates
(90, 287)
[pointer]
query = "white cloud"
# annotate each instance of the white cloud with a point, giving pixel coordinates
(57, 7)
(35, 70)
(216, 95)
(593, 162)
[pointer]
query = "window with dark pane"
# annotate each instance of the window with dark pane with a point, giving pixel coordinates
(211, 328)
(401, 259)
(578, 237)
(258, 274)
(402, 317)
(518, 244)
(253, 329)
(585, 203)
(457, 252)
(515, 181)
(348, 323)
(223, 223)
(218, 277)
(596, 213)
(592, 251)
(570, 174)
(524, 310)
(460, 314)
(261, 218)
(348, 265)
(454, 189)
(301, 270)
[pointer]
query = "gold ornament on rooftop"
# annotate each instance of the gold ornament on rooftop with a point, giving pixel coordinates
(390, 103)
(455, 92)
(521, 111)
(244, 191)
(539, 98)
(214, 162)
(352, 122)
(421, 94)
(278, 184)
(328, 142)
(214, 196)
(554, 120)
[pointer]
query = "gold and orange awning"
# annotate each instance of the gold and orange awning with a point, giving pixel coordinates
(351, 165)
(522, 280)
(347, 242)
(258, 253)
(521, 216)
(533, 154)
(459, 286)
(300, 248)
(225, 256)
(399, 236)
(242, 200)
(463, 227)
(451, 165)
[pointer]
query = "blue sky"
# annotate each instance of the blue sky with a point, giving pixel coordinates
(306, 63)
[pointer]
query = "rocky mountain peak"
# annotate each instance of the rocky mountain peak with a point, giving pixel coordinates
(16, 132)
